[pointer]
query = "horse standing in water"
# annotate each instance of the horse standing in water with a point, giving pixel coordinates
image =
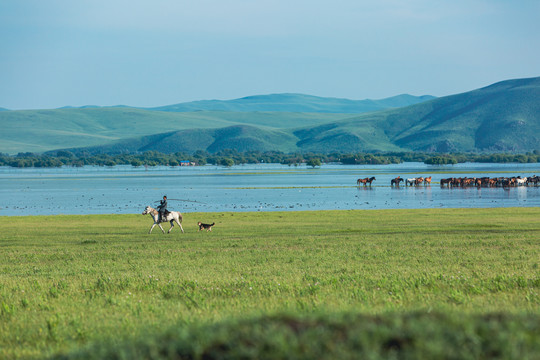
(396, 181)
(365, 181)
(171, 216)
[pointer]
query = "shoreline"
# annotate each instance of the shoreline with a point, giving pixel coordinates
(289, 211)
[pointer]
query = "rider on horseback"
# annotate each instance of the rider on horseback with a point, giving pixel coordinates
(162, 208)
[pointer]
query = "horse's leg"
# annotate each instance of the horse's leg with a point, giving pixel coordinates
(178, 222)
(152, 228)
(172, 225)
(161, 227)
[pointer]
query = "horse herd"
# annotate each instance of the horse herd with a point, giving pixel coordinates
(461, 182)
(408, 182)
(491, 182)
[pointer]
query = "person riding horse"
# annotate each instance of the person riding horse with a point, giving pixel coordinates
(162, 208)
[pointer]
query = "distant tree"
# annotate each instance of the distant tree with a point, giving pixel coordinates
(64, 153)
(226, 162)
(313, 162)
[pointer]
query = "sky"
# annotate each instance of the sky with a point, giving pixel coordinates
(59, 53)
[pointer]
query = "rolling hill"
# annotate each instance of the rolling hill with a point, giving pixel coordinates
(297, 103)
(44, 130)
(239, 137)
(501, 117)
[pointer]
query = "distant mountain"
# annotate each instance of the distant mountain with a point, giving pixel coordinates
(3, 109)
(296, 103)
(44, 130)
(501, 117)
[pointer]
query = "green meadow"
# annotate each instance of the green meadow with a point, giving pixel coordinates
(445, 283)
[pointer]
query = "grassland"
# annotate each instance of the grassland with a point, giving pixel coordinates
(290, 278)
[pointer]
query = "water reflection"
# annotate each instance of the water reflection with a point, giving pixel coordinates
(366, 188)
(521, 192)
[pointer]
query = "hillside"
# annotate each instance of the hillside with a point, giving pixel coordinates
(45, 130)
(296, 103)
(89, 126)
(239, 137)
(501, 117)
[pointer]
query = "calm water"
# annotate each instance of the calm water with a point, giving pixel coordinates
(265, 187)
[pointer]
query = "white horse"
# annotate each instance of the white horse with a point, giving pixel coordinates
(521, 181)
(410, 181)
(172, 217)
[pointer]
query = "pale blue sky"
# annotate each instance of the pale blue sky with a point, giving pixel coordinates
(148, 53)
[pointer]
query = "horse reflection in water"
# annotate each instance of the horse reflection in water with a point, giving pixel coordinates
(171, 217)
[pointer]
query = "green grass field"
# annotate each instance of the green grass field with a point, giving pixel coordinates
(93, 285)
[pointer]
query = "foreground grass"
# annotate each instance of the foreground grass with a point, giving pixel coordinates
(67, 281)
(336, 336)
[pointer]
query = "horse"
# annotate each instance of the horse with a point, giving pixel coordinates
(172, 217)
(427, 181)
(396, 181)
(533, 180)
(521, 181)
(447, 182)
(410, 181)
(365, 181)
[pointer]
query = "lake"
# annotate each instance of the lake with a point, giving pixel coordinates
(261, 187)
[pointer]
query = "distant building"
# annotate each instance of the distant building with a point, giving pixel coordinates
(186, 163)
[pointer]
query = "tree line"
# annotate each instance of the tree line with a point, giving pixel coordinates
(233, 157)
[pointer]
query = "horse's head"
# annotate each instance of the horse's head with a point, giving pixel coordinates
(147, 210)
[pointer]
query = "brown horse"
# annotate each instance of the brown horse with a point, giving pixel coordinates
(427, 181)
(446, 182)
(396, 181)
(365, 181)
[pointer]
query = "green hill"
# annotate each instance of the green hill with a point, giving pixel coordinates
(45, 130)
(296, 103)
(501, 117)
(239, 137)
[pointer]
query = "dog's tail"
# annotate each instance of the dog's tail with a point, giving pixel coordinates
(213, 224)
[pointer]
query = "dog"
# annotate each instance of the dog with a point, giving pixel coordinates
(207, 227)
